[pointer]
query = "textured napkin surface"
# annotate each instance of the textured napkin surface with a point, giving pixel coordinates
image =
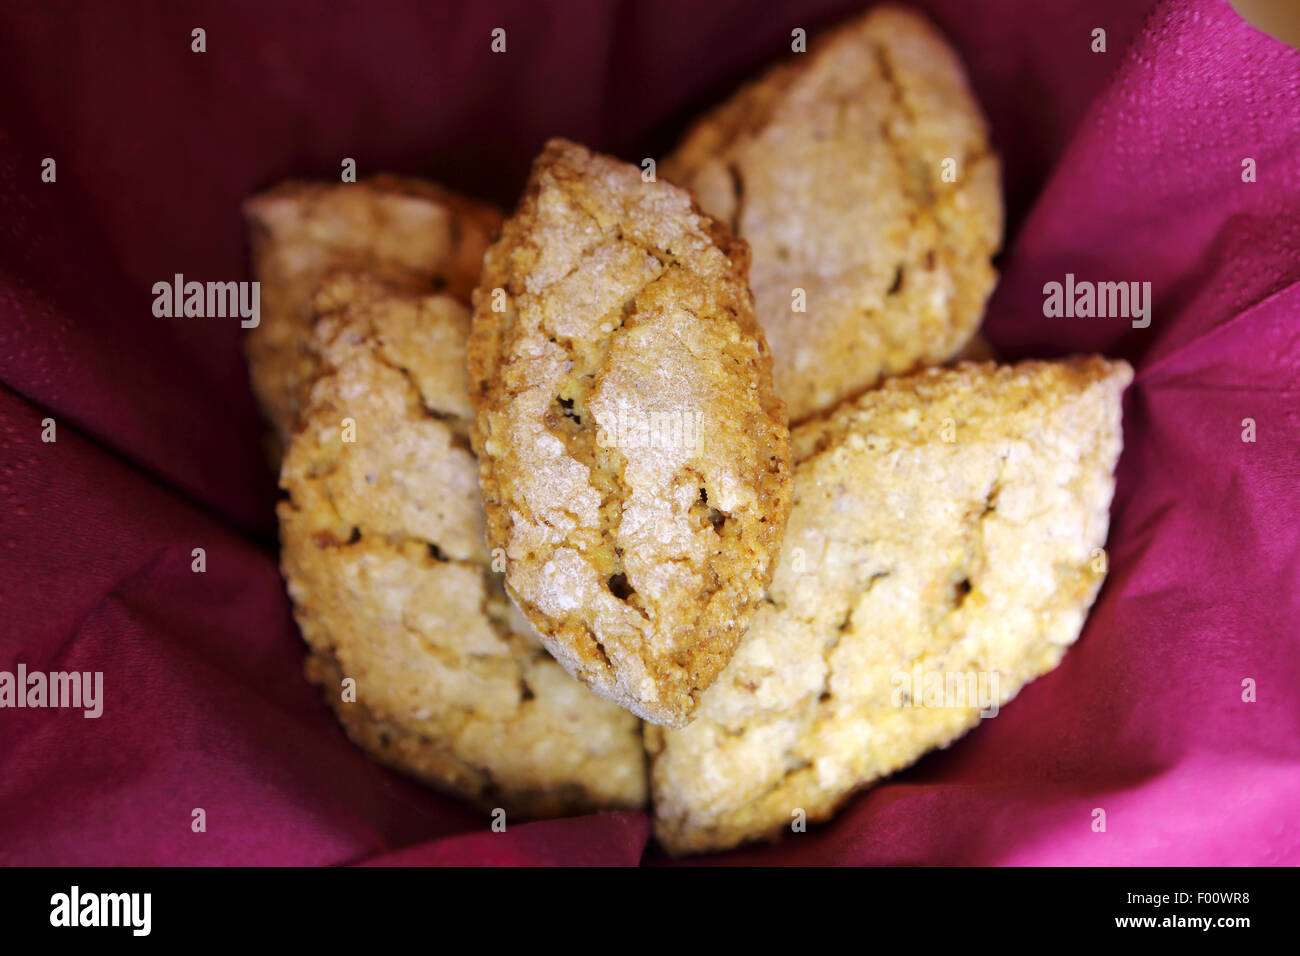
(1119, 166)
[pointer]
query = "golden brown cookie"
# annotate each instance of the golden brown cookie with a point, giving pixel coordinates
(409, 233)
(383, 552)
(943, 551)
(634, 460)
(978, 349)
(861, 175)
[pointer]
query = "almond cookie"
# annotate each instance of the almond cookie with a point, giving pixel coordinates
(634, 460)
(409, 233)
(943, 550)
(861, 175)
(383, 552)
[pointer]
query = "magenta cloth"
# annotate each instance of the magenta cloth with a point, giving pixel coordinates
(1122, 165)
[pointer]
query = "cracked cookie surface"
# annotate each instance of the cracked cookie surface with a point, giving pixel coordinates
(412, 234)
(384, 557)
(831, 166)
(907, 555)
(633, 457)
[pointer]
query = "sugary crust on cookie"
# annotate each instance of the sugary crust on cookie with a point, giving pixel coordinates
(831, 166)
(384, 557)
(633, 457)
(947, 522)
(409, 233)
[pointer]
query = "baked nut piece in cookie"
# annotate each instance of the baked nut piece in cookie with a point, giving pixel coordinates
(634, 460)
(383, 552)
(859, 172)
(943, 551)
(409, 233)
